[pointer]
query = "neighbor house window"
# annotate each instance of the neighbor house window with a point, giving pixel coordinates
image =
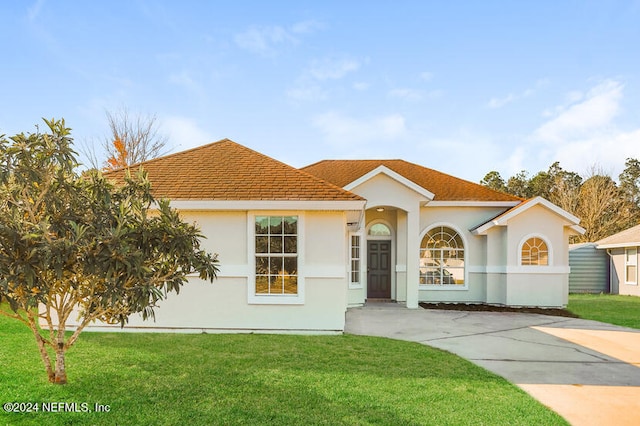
(276, 254)
(356, 253)
(534, 252)
(631, 266)
(442, 257)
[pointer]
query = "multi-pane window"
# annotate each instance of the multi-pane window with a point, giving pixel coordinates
(631, 265)
(535, 252)
(276, 251)
(355, 260)
(442, 257)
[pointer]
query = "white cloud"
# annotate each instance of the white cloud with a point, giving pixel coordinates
(34, 11)
(307, 27)
(184, 79)
(332, 68)
(308, 87)
(265, 40)
(307, 92)
(583, 132)
(361, 86)
(426, 76)
(408, 94)
(184, 133)
(499, 102)
(345, 132)
(580, 120)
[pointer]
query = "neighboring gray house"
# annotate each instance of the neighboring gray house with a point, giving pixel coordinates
(589, 269)
(623, 251)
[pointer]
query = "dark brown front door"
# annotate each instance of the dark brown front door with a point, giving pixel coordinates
(379, 269)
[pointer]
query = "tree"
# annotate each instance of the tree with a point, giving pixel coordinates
(518, 185)
(602, 209)
(494, 181)
(81, 244)
(132, 139)
(630, 185)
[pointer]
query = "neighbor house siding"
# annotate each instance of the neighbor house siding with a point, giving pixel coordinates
(589, 269)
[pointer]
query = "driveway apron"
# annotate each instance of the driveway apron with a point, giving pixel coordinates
(586, 371)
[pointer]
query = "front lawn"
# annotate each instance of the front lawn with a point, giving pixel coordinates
(170, 379)
(609, 308)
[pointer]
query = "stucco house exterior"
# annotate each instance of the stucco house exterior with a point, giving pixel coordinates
(299, 246)
(623, 249)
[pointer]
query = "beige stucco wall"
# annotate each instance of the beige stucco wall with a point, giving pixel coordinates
(462, 219)
(223, 305)
(538, 285)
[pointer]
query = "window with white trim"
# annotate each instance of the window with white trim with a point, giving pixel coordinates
(442, 257)
(534, 252)
(276, 255)
(356, 253)
(631, 266)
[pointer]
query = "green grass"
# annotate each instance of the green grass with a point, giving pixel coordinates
(609, 308)
(174, 379)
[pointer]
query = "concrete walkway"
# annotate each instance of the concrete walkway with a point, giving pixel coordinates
(586, 371)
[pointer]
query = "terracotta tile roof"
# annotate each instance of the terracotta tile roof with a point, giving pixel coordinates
(444, 186)
(629, 237)
(225, 170)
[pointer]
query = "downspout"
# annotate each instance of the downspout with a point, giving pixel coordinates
(610, 267)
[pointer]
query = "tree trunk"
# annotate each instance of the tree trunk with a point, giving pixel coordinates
(60, 377)
(44, 354)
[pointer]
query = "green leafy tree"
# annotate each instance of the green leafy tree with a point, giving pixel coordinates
(630, 185)
(519, 185)
(81, 245)
(494, 181)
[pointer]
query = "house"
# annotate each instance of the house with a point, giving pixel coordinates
(299, 246)
(622, 249)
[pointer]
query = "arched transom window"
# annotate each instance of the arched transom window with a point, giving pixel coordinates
(379, 230)
(441, 257)
(535, 252)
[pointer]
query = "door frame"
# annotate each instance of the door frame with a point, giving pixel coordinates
(392, 267)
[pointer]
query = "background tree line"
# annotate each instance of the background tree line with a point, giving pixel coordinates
(603, 205)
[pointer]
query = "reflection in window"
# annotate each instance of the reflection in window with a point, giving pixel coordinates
(631, 266)
(276, 254)
(379, 230)
(535, 252)
(355, 259)
(442, 257)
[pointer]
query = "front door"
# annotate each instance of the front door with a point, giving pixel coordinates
(379, 269)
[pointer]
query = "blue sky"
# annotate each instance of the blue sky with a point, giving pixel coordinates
(464, 87)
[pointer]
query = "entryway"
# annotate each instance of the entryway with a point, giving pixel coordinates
(379, 269)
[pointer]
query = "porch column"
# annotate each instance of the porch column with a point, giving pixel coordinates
(413, 256)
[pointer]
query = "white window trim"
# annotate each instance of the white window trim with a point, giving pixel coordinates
(634, 280)
(441, 287)
(549, 251)
(350, 258)
(274, 299)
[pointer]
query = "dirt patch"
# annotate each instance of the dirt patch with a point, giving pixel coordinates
(478, 307)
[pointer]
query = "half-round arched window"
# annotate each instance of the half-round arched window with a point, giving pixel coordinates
(379, 230)
(442, 257)
(534, 252)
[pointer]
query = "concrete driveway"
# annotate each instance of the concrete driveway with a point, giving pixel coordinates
(586, 371)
